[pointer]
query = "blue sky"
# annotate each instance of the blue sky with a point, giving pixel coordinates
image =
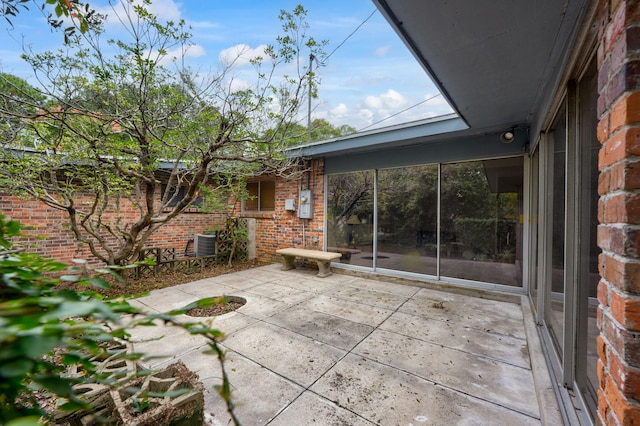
(371, 77)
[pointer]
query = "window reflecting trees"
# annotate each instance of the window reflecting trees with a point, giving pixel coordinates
(480, 228)
(408, 219)
(479, 237)
(350, 216)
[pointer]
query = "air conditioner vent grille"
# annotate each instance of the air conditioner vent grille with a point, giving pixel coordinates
(205, 244)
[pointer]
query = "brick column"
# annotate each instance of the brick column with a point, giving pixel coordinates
(619, 212)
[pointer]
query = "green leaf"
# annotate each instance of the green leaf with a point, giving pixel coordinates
(25, 421)
(55, 384)
(169, 394)
(69, 294)
(199, 330)
(104, 337)
(73, 406)
(100, 283)
(35, 346)
(73, 358)
(17, 368)
(13, 228)
(202, 303)
(71, 309)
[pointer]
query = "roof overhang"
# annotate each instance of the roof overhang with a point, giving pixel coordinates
(497, 62)
(407, 133)
(444, 131)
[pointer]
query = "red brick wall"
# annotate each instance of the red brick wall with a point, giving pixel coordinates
(274, 230)
(619, 212)
(281, 228)
(50, 235)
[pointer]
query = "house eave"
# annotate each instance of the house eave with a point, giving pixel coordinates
(496, 61)
(406, 133)
(443, 131)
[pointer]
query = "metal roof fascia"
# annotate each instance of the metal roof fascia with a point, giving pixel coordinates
(463, 147)
(411, 131)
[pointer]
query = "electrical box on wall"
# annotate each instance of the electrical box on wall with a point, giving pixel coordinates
(290, 204)
(305, 205)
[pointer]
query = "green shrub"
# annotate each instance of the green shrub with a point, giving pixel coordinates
(44, 330)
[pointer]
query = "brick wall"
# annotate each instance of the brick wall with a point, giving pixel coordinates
(281, 228)
(49, 233)
(274, 230)
(619, 212)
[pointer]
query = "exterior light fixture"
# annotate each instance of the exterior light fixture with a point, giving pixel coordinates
(508, 136)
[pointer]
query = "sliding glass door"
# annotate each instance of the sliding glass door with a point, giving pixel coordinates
(555, 221)
(457, 220)
(567, 255)
(587, 249)
(480, 221)
(408, 219)
(350, 201)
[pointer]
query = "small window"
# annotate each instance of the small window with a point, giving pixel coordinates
(261, 196)
(182, 192)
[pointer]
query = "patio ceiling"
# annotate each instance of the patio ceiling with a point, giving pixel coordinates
(496, 61)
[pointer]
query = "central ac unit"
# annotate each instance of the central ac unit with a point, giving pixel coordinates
(204, 244)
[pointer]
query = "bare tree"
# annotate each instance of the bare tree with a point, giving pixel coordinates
(122, 119)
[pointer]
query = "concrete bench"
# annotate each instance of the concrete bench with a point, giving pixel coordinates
(323, 258)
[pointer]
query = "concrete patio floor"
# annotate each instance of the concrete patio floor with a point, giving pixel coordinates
(348, 350)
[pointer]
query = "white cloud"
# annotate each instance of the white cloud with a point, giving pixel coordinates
(240, 54)
(365, 115)
(383, 108)
(386, 109)
(193, 51)
(237, 84)
(382, 51)
(165, 10)
(373, 102)
(393, 99)
(340, 110)
(390, 99)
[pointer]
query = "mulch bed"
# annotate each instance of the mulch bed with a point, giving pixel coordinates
(144, 285)
(215, 310)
